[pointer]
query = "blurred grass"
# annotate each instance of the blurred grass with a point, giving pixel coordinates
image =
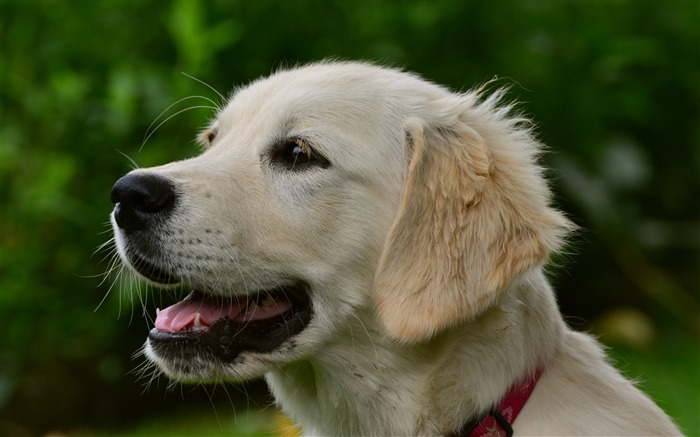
(206, 423)
(669, 373)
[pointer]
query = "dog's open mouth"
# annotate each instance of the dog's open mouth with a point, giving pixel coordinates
(225, 327)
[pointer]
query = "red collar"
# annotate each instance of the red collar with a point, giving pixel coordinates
(498, 421)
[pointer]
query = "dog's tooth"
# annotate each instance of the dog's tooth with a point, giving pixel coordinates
(197, 320)
(157, 312)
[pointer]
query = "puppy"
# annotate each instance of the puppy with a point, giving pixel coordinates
(373, 244)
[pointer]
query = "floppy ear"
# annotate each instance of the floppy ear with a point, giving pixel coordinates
(469, 222)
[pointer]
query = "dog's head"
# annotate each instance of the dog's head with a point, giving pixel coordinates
(325, 189)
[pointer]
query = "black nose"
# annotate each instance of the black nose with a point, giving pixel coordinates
(140, 199)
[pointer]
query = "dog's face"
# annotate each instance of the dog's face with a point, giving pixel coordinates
(276, 226)
(322, 190)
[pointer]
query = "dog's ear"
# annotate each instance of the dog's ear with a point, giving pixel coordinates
(471, 218)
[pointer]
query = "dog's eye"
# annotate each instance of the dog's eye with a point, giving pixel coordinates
(296, 154)
(207, 137)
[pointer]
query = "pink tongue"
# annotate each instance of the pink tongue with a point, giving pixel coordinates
(182, 315)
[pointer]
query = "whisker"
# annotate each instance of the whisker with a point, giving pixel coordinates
(108, 246)
(134, 165)
(210, 395)
(146, 370)
(148, 129)
(223, 99)
(112, 267)
(374, 347)
(173, 115)
(151, 130)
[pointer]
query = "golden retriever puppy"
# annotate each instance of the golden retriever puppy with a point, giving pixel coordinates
(373, 244)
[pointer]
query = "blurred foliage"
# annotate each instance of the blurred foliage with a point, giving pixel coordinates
(613, 85)
(244, 423)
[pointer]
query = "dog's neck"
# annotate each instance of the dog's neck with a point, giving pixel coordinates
(366, 384)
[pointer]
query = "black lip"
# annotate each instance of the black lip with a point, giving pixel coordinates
(225, 339)
(151, 271)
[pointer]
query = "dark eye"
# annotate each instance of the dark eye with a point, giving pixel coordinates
(207, 137)
(296, 154)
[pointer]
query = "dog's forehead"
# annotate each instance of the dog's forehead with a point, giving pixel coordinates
(350, 113)
(342, 94)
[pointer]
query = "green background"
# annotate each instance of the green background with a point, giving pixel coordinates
(613, 86)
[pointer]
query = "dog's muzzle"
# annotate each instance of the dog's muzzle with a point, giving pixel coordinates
(206, 323)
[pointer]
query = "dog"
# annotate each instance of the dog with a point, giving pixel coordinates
(374, 245)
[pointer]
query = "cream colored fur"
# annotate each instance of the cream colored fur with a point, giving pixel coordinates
(423, 242)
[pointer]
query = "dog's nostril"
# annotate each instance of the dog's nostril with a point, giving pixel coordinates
(140, 197)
